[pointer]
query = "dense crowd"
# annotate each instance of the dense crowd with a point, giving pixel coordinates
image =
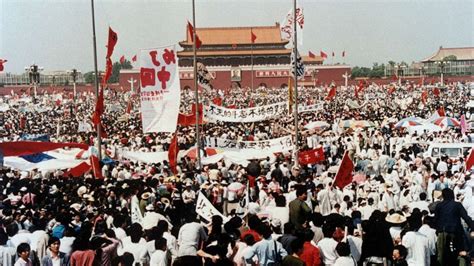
(403, 208)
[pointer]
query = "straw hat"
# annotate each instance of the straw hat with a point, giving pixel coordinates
(146, 195)
(396, 218)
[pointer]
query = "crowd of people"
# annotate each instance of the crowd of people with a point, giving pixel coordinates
(404, 207)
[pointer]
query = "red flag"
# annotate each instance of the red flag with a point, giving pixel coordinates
(436, 92)
(253, 37)
(217, 101)
(331, 94)
(2, 61)
(99, 108)
(424, 97)
(173, 153)
(343, 53)
(441, 111)
(232, 106)
(129, 107)
(134, 58)
(391, 89)
(312, 156)
(111, 42)
(108, 72)
(122, 59)
(78, 170)
(323, 54)
(356, 93)
(333, 54)
(191, 29)
(361, 86)
(470, 160)
(95, 164)
(311, 55)
(344, 174)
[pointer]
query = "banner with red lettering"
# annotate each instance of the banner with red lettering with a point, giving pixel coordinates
(160, 89)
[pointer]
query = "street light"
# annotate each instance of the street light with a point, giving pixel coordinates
(442, 64)
(73, 74)
(34, 77)
(422, 74)
(400, 69)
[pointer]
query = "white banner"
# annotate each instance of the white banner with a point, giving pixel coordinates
(310, 108)
(146, 157)
(286, 26)
(160, 89)
(254, 114)
(273, 145)
(205, 209)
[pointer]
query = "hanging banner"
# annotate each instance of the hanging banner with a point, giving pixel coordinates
(310, 108)
(160, 89)
(205, 209)
(273, 145)
(254, 114)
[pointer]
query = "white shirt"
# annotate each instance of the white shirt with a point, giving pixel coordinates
(119, 233)
(189, 237)
(66, 245)
(327, 246)
(417, 246)
(158, 258)
(137, 249)
(345, 261)
(430, 233)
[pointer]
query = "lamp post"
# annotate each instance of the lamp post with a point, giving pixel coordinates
(34, 77)
(400, 69)
(442, 65)
(346, 77)
(422, 74)
(73, 74)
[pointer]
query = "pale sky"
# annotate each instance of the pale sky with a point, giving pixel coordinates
(57, 34)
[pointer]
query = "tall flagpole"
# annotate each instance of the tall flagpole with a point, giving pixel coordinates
(196, 94)
(295, 47)
(251, 55)
(99, 139)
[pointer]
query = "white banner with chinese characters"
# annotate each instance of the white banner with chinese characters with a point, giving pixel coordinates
(254, 114)
(273, 145)
(205, 209)
(160, 89)
(310, 108)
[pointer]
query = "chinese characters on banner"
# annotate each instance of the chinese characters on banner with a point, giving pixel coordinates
(254, 114)
(205, 209)
(160, 89)
(274, 145)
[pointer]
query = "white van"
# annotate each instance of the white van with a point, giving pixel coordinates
(452, 150)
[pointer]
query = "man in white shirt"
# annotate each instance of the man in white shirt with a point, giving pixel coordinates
(421, 204)
(327, 246)
(430, 233)
(160, 256)
(189, 238)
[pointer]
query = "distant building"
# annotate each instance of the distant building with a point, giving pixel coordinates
(59, 78)
(228, 54)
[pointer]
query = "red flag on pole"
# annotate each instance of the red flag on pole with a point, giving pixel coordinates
(424, 97)
(95, 164)
(343, 53)
(344, 174)
(173, 153)
(441, 111)
(191, 30)
(108, 72)
(112, 41)
(217, 101)
(311, 55)
(122, 59)
(312, 156)
(470, 160)
(253, 37)
(134, 58)
(99, 108)
(323, 54)
(331, 94)
(2, 61)
(436, 92)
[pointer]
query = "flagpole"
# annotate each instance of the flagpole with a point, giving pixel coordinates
(196, 94)
(251, 55)
(295, 47)
(99, 139)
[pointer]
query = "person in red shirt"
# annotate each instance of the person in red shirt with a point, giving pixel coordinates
(311, 255)
(254, 222)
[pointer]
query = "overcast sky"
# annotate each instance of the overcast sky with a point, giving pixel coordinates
(57, 35)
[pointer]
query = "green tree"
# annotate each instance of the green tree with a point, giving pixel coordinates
(450, 58)
(117, 66)
(377, 71)
(89, 77)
